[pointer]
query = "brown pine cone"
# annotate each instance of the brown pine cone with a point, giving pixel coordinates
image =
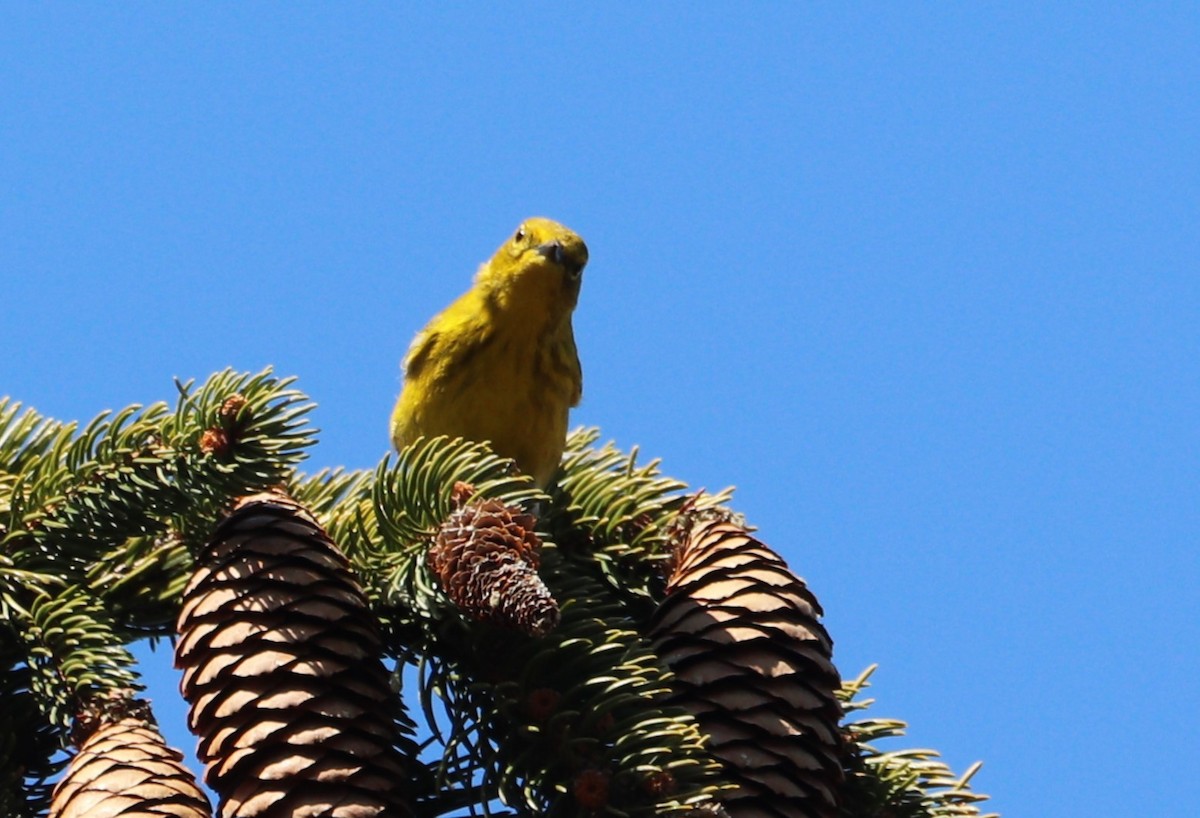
(753, 664)
(124, 769)
(486, 557)
(283, 670)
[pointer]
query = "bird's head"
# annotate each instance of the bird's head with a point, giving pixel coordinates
(541, 261)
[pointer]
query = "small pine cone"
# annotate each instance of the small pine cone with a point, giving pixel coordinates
(283, 671)
(753, 665)
(124, 769)
(486, 557)
(231, 406)
(215, 441)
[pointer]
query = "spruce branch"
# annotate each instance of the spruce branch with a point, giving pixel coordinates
(59, 651)
(73, 652)
(112, 502)
(911, 783)
(30, 745)
(584, 704)
(615, 514)
(329, 492)
(413, 498)
(26, 436)
(142, 579)
(99, 525)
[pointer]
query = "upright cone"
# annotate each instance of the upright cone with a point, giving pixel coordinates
(283, 671)
(124, 769)
(753, 664)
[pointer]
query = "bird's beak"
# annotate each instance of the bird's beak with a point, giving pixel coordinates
(552, 250)
(570, 259)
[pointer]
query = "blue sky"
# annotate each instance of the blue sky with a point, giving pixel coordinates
(920, 280)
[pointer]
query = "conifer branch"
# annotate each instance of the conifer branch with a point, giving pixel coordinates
(911, 783)
(72, 650)
(615, 514)
(99, 525)
(117, 500)
(30, 745)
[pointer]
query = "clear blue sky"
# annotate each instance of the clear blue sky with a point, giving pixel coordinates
(922, 282)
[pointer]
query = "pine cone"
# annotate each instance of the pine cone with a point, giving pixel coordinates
(486, 557)
(124, 769)
(752, 663)
(283, 672)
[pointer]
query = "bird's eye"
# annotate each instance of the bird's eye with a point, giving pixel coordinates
(520, 235)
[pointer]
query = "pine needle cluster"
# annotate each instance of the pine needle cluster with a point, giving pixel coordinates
(523, 629)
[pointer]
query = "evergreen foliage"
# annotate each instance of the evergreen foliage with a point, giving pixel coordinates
(909, 783)
(100, 525)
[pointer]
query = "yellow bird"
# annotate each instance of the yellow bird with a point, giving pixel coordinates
(500, 364)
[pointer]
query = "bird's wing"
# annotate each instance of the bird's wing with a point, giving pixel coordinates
(419, 352)
(448, 341)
